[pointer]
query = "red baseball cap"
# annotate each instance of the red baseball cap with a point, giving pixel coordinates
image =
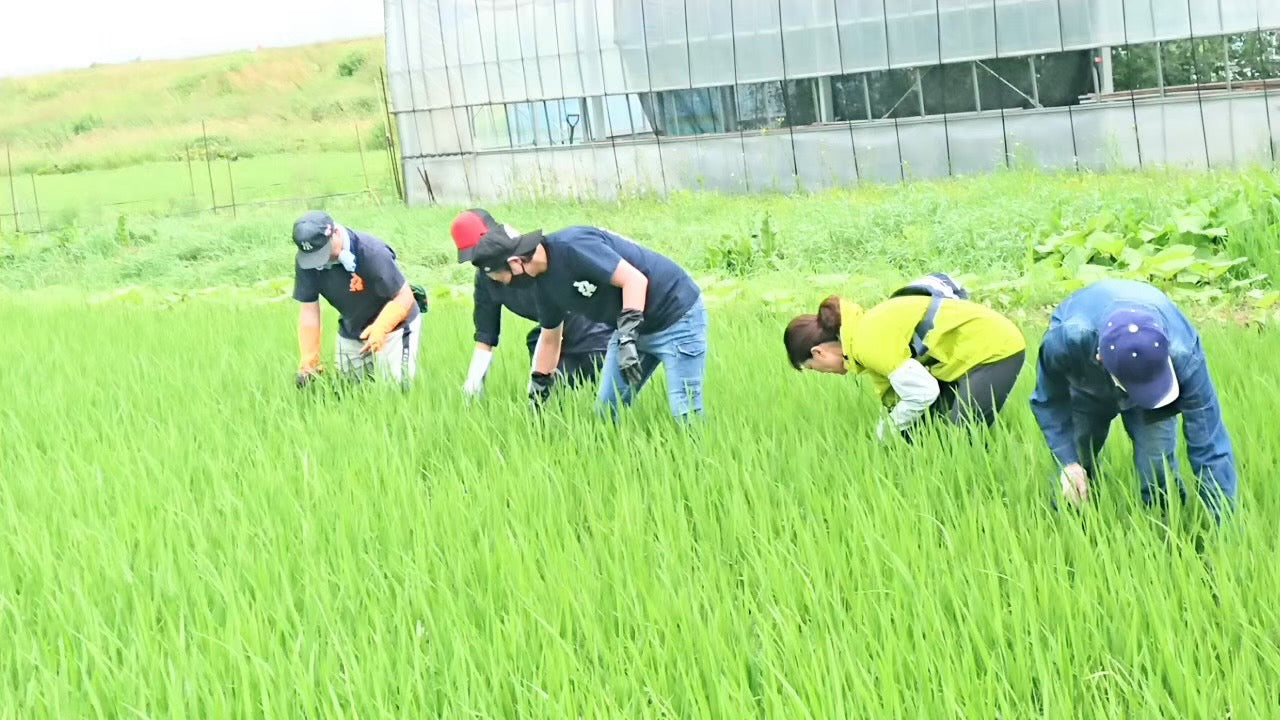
(467, 229)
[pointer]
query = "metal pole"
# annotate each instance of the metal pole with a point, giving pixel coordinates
(977, 94)
(232, 184)
(1160, 67)
(392, 154)
(208, 163)
(36, 198)
(190, 175)
(920, 91)
(1035, 80)
(13, 195)
(360, 146)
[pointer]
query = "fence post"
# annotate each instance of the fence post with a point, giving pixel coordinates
(232, 183)
(359, 145)
(36, 198)
(190, 175)
(392, 153)
(13, 195)
(208, 163)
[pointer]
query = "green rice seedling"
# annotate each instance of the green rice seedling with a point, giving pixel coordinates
(188, 535)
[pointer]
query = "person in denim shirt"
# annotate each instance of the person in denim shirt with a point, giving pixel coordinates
(1121, 347)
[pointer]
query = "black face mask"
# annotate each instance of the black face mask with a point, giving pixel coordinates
(520, 282)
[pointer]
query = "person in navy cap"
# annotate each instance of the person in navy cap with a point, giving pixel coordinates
(1121, 347)
(585, 341)
(653, 307)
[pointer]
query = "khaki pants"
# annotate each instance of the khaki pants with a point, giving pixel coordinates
(398, 359)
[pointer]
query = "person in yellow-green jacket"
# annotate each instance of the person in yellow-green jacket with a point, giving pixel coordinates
(927, 349)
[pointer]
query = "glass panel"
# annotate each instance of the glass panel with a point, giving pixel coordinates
(862, 34)
(711, 44)
(849, 98)
(893, 94)
(1041, 140)
(976, 144)
(825, 158)
(913, 33)
(878, 158)
(1062, 78)
(949, 89)
(760, 106)
(968, 29)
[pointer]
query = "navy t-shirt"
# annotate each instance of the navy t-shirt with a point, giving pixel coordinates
(581, 261)
(580, 335)
(382, 279)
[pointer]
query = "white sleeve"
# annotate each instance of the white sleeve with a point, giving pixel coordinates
(916, 390)
(480, 360)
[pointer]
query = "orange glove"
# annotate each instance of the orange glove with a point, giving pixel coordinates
(309, 348)
(393, 313)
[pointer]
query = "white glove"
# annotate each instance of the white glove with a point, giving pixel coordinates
(880, 428)
(480, 360)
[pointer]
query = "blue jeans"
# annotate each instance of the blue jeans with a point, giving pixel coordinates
(1155, 443)
(681, 348)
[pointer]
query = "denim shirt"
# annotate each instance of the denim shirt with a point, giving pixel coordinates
(1068, 372)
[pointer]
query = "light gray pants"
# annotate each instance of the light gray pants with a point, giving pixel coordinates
(398, 359)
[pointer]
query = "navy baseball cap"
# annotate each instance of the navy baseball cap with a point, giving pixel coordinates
(1135, 350)
(313, 234)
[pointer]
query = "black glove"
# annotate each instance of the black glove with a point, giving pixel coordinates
(540, 388)
(628, 356)
(304, 378)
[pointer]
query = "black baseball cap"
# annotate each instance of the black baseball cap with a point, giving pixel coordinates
(313, 234)
(486, 243)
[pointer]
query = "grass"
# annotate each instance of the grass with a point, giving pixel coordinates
(270, 101)
(94, 197)
(869, 236)
(190, 536)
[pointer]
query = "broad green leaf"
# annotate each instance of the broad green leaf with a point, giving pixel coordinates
(1190, 220)
(1172, 260)
(1234, 212)
(1106, 243)
(1090, 273)
(1134, 258)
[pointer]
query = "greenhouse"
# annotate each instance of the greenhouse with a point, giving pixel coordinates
(499, 99)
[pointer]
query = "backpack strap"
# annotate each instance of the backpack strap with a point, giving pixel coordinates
(924, 327)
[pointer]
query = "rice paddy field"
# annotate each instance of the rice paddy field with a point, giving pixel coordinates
(189, 536)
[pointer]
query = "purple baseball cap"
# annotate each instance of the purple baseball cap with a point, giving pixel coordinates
(1135, 350)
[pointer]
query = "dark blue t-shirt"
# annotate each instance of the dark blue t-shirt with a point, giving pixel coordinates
(382, 279)
(581, 261)
(580, 335)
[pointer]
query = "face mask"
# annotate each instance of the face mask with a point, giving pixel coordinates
(521, 282)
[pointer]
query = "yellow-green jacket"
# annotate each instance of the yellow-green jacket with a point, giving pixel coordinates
(965, 335)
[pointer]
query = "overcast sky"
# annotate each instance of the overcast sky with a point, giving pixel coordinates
(42, 35)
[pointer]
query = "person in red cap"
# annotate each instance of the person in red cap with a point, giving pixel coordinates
(1121, 347)
(653, 306)
(585, 342)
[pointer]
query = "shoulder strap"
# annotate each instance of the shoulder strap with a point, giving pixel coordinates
(924, 327)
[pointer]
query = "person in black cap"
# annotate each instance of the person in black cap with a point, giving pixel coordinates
(1121, 347)
(380, 317)
(585, 342)
(654, 306)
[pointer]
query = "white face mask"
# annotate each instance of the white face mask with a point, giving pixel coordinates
(346, 258)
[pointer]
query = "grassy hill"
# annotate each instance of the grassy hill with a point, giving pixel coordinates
(311, 98)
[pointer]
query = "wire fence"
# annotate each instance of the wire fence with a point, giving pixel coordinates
(522, 98)
(205, 179)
